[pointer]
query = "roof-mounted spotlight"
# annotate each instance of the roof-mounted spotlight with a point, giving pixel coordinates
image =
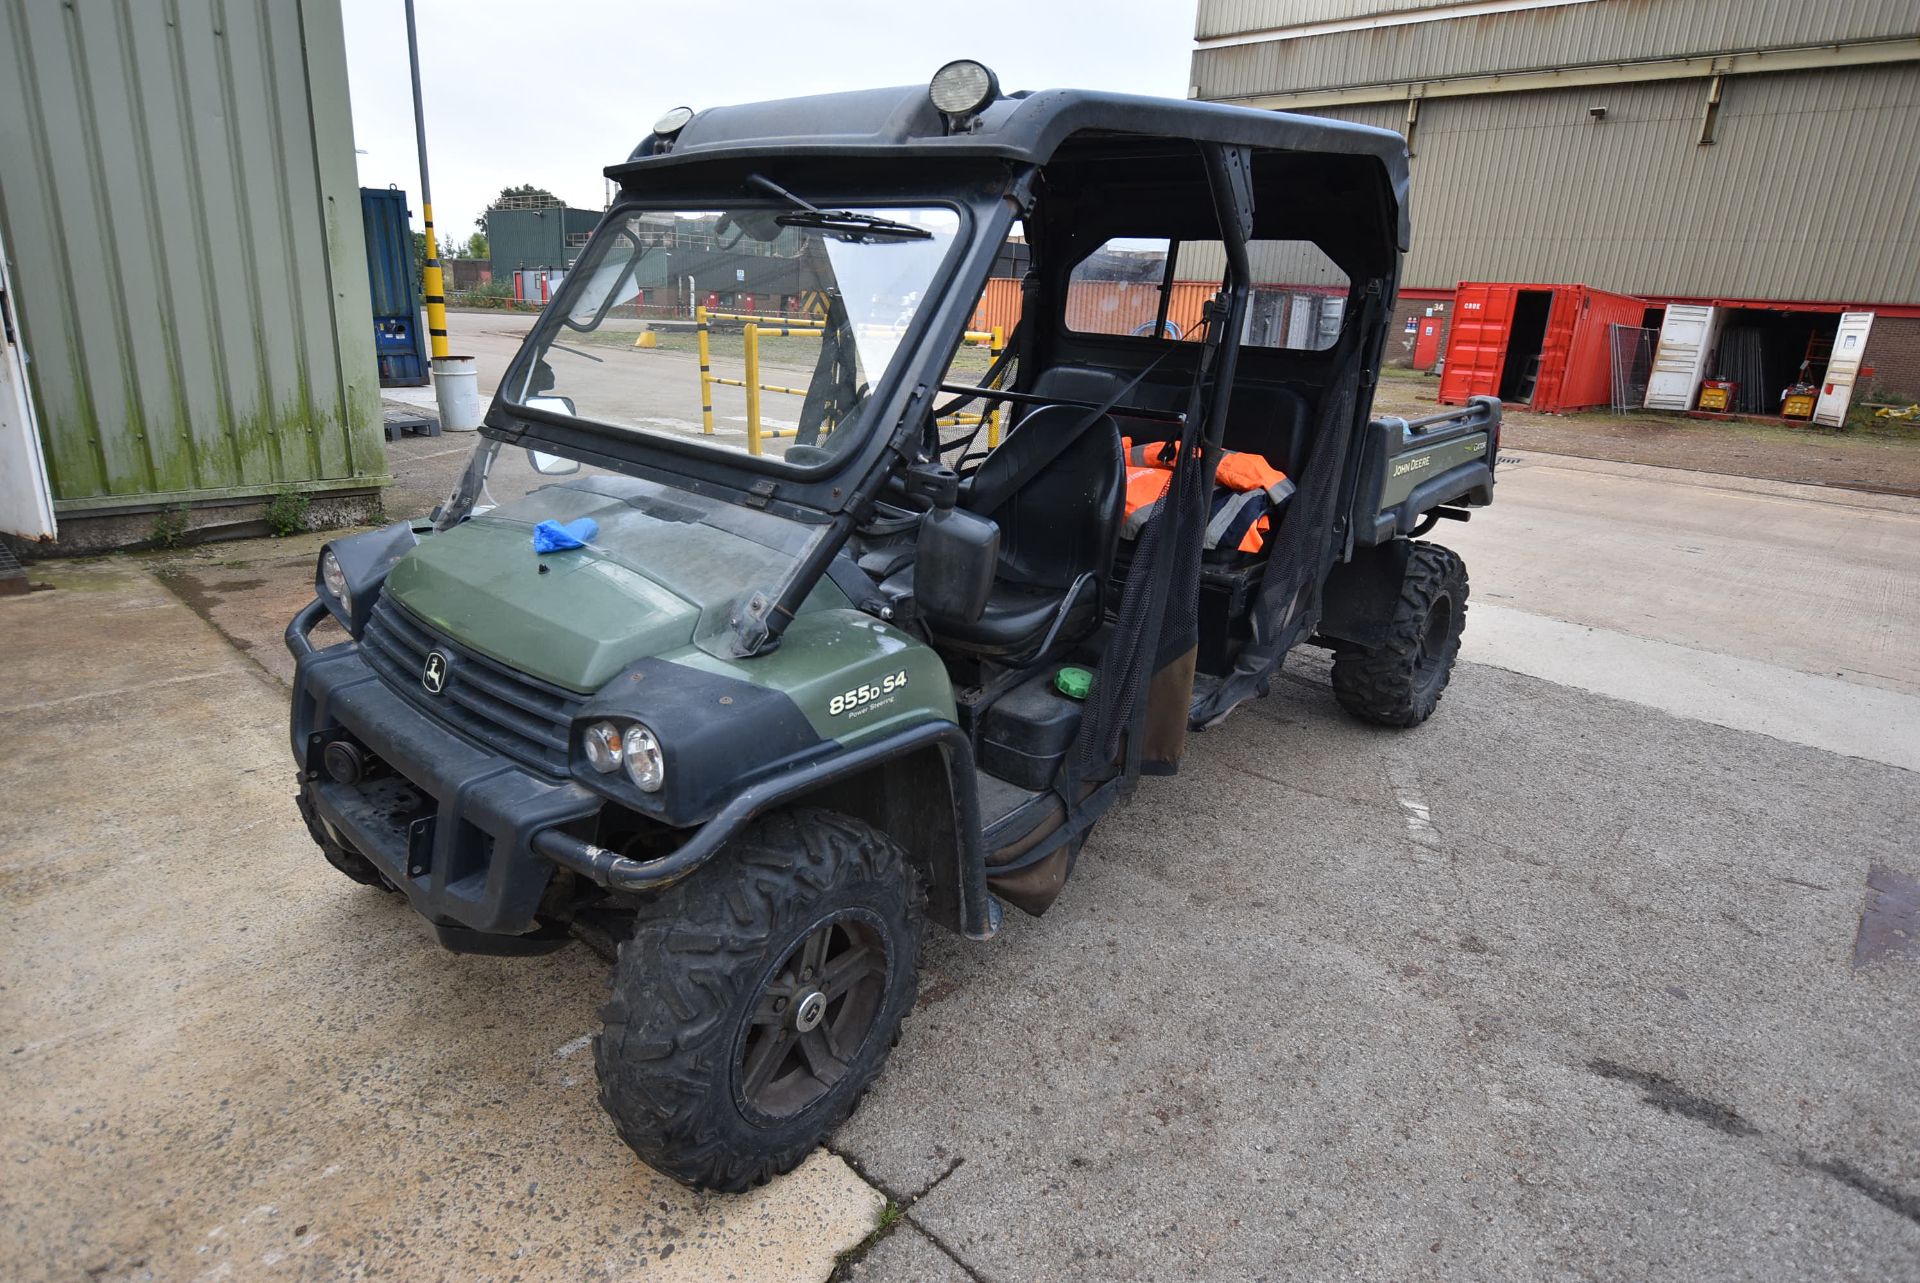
(673, 122)
(961, 90)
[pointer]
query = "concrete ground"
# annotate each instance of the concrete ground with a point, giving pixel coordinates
(1610, 971)
(223, 1060)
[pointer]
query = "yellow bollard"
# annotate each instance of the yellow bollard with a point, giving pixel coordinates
(646, 338)
(993, 415)
(432, 286)
(706, 374)
(752, 337)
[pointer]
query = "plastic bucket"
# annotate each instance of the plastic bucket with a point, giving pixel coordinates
(456, 386)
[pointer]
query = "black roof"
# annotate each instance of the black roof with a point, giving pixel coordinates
(901, 123)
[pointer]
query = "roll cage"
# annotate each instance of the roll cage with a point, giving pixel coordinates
(1075, 168)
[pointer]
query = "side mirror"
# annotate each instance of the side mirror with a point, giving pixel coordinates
(954, 561)
(551, 465)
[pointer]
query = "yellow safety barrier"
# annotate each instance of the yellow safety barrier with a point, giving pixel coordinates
(754, 327)
(996, 344)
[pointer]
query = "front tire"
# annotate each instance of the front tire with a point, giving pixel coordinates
(757, 999)
(1399, 683)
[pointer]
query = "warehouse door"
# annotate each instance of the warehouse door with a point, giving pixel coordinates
(1843, 367)
(1680, 361)
(26, 506)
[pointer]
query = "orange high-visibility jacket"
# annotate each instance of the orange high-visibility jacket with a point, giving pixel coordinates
(1248, 490)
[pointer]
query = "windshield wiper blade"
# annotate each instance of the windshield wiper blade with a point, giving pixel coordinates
(852, 224)
(836, 220)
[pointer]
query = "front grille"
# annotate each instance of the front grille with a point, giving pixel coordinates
(484, 700)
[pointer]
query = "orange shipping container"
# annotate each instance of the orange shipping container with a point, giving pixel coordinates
(1101, 307)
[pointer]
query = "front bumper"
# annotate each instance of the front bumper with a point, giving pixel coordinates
(450, 824)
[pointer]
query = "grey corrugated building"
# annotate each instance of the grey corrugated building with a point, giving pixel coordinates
(1762, 156)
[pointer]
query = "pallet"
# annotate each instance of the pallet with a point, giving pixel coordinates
(404, 421)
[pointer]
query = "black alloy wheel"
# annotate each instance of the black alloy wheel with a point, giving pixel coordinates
(758, 998)
(814, 1014)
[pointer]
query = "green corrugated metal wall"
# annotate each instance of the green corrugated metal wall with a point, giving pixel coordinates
(182, 220)
(519, 238)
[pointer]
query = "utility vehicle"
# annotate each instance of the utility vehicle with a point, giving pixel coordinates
(883, 651)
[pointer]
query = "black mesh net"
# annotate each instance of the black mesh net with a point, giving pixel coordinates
(1158, 617)
(1299, 555)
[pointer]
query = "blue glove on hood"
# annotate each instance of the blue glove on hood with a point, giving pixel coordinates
(551, 536)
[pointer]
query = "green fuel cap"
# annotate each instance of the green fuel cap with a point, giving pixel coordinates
(1074, 683)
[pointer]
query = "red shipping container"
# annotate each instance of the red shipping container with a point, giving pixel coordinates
(1546, 347)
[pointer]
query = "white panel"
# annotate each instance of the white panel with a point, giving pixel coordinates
(1686, 337)
(1843, 368)
(26, 505)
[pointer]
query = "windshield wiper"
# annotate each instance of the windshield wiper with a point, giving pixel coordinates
(844, 221)
(577, 352)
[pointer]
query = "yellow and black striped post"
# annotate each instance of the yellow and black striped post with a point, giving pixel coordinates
(706, 372)
(993, 415)
(752, 334)
(433, 284)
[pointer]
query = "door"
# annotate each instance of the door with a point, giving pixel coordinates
(1426, 343)
(1477, 345)
(1680, 361)
(1300, 321)
(26, 504)
(1843, 367)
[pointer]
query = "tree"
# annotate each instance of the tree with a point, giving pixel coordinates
(477, 246)
(525, 196)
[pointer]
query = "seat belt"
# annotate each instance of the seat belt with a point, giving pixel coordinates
(1055, 446)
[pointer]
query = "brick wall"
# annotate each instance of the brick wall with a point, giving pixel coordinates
(1399, 349)
(1893, 354)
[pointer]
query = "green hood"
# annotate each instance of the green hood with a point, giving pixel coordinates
(575, 618)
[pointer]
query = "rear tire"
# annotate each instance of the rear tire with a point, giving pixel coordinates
(757, 999)
(1399, 683)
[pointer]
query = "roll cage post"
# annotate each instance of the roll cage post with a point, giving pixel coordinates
(1230, 180)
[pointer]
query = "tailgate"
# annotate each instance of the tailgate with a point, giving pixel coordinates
(1409, 467)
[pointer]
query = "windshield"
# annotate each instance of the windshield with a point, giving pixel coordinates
(757, 329)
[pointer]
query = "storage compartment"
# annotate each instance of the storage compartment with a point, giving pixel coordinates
(1024, 737)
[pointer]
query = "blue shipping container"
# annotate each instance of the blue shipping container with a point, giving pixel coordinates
(399, 342)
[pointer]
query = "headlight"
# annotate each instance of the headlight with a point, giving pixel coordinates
(603, 744)
(962, 87)
(611, 745)
(335, 580)
(645, 765)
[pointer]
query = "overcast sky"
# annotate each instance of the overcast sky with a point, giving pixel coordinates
(552, 93)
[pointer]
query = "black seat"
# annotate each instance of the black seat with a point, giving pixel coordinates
(1058, 528)
(1265, 419)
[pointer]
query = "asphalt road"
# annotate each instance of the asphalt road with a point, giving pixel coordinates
(1610, 971)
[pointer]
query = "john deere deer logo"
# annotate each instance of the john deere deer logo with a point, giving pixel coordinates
(435, 675)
